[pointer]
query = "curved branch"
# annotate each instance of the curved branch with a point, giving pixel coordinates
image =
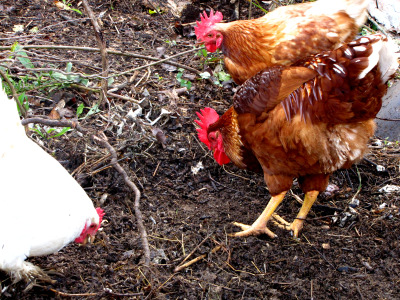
(102, 140)
(103, 50)
(54, 123)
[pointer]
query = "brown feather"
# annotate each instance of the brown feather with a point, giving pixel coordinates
(281, 37)
(322, 125)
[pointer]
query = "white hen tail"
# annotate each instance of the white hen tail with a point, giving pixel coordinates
(382, 54)
(388, 62)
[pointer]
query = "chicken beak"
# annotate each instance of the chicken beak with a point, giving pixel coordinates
(89, 239)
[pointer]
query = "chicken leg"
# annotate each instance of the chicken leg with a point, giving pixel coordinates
(309, 200)
(260, 225)
(297, 224)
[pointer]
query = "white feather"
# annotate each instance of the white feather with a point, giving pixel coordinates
(372, 59)
(383, 53)
(388, 59)
(42, 208)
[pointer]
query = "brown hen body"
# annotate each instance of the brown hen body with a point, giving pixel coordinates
(281, 37)
(321, 126)
(306, 121)
(288, 150)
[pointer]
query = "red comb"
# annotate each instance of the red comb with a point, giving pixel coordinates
(101, 213)
(207, 117)
(206, 22)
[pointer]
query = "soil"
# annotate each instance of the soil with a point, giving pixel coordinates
(348, 248)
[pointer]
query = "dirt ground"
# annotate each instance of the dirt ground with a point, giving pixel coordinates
(347, 250)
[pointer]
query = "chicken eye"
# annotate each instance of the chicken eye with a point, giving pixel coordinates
(210, 35)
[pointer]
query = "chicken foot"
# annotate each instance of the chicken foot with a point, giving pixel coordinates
(260, 225)
(298, 223)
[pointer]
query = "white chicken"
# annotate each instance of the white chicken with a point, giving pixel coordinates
(42, 207)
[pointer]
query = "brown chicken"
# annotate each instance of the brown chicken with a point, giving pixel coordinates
(303, 121)
(283, 36)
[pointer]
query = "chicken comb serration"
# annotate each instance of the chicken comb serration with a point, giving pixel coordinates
(207, 117)
(206, 22)
(100, 212)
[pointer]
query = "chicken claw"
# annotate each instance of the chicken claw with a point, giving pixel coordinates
(257, 230)
(281, 222)
(260, 225)
(248, 230)
(297, 225)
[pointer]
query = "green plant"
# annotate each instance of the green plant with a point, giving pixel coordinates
(47, 134)
(212, 59)
(40, 80)
(183, 82)
(68, 78)
(209, 58)
(157, 10)
(47, 81)
(66, 3)
(23, 99)
(158, 77)
(93, 110)
(386, 141)
(257, 4)
(171, 43)
(220, 77)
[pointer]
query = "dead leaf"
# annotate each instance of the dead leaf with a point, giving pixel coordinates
(55, 112)
(61, 5)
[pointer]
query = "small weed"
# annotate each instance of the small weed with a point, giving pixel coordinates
(183, 82)
(41, 80)
(386, 141)
(156, 11)
(67, 4)
(171, 43)
(257, 4)
(24, 102)
(213, 58)
(44, 81)
(220, 77)
(209, 58)
(158, 77)
(93, 110)
(51, 132)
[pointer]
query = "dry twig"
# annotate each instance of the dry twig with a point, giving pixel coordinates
(102, 140)
(54, 123)
(103, 50)
(194, 260)
(129, 54)
(191, 253)
(99, 294)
